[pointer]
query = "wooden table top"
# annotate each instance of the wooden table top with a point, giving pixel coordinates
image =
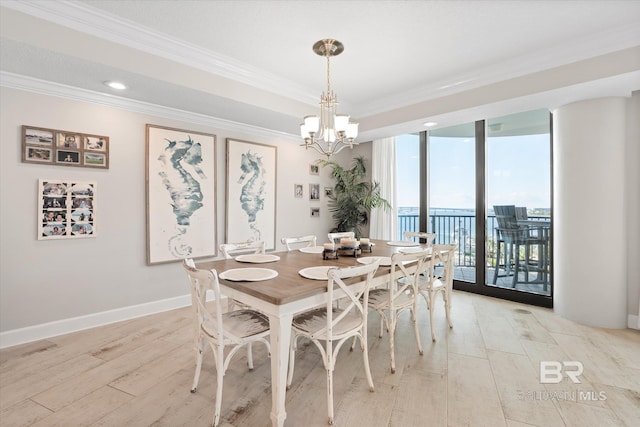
(289, 286)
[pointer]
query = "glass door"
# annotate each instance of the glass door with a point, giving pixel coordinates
(518, 201)
(451, 183)
(468, 178)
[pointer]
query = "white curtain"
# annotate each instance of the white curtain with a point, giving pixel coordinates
(384, 223)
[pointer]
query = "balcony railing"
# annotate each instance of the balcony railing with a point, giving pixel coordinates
(460, 228)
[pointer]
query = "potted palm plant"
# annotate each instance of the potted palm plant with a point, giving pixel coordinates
(353, 196)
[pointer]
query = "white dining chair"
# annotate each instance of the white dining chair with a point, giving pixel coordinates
(437, 278)
(336, 236)
(428, 237)
(229, 250)
(398, 296)
(329, 327)
(292, 243)
(233, 329)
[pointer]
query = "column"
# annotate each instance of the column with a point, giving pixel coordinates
(589, 229)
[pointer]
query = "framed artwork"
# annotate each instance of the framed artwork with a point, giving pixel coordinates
(64, 148)
(297, 191)
(315, 212)
(314, 169)
(314, 191)
(251, 192)
(66, 209)
(181, 194)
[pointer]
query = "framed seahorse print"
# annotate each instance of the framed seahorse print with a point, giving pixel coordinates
(251, 192)
(181, 194)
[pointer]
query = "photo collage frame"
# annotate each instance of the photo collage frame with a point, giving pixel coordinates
(66, 209)
(64, 148)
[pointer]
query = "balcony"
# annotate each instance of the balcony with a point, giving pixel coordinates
(460, 228)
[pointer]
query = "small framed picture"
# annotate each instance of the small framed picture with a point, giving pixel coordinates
(38, 154)
(314, 169)
(68, 157)
(96, 143)
(69, 140)
(315, 212)
(95, 159)
(297, 191)
(314, 191)
(37, 136)
(328, 191)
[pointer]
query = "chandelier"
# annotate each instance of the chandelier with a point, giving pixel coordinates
(330, 132)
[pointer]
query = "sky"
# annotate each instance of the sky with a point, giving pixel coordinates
(518, 171)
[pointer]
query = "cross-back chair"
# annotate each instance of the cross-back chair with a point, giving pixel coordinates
(429, 238)
(233, 329)
(437, 278)
(229, 250)
(390, 302)
(335, 237)
(329, 327)
(292, 243)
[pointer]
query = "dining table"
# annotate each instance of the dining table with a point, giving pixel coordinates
(294, 282)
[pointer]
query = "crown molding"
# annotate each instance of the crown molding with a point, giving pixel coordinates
(104, 25)
(29, 84)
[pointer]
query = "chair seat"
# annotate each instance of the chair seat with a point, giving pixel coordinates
(313, 322)
(423, 284)
(240, 324)
(379, 299)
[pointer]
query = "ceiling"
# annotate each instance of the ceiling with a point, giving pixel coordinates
(250, 63)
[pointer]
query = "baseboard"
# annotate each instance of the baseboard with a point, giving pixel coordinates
(74, 324)
(633, 321)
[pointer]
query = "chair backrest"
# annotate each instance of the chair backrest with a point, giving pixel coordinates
(229, 250)
(444, 255)
(400, 263)
(299, 242)
(506, 216)
(508, 229)
(355, 299)
(202, 281)
(521, 213)
(335, 237)
(412, 235)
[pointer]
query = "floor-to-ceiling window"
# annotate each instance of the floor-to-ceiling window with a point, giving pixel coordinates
(518, 184)
(454, 179)
(451, 184)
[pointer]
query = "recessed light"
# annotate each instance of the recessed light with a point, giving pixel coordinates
(115, 85)
(429, 124)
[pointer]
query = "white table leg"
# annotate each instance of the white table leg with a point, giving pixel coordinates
(280, 336)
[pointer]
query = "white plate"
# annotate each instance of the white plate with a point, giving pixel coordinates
(385, 261)
(257, 258)
(412, 250)
(403, 243)
(312, 250)
(316, 273)
(248, 274)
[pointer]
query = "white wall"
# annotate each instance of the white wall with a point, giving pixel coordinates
(53, 287)
(632, 206)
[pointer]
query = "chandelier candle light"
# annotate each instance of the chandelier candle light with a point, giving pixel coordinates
(331, 132)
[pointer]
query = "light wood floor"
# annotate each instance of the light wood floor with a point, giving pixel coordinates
(485, 372)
